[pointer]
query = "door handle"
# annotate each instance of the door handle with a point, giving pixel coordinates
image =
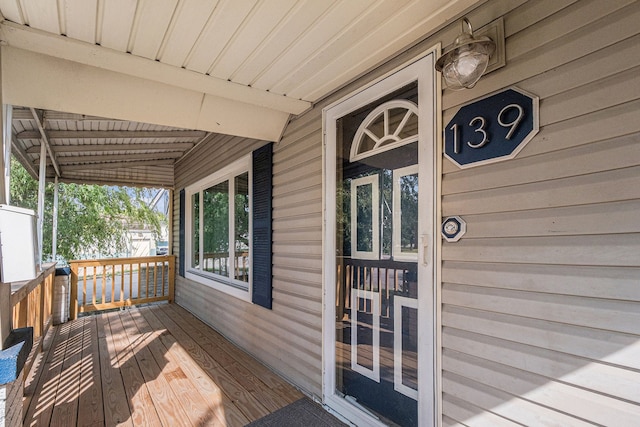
(425, 248)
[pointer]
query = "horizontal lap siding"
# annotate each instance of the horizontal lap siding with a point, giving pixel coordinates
(541, 297)
(288, 337)
(297, 239)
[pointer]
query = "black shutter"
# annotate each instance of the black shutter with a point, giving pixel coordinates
(262, 192)
(182, 237)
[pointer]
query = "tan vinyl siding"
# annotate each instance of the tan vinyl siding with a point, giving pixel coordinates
(287, 338)
(540, 299)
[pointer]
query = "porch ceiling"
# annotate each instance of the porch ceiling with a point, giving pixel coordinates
(227, 66)
(96, 150)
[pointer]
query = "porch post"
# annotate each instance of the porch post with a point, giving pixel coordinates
(42, 175)
(7, 115)
(5, 288)
(4, 198)
(54, 232)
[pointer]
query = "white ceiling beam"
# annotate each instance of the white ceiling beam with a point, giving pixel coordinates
(45, 82)
(86, 159)
(135, 180)
(116, 165)
(167, 146)
(120, 134)
(45, 141)
(33, 40)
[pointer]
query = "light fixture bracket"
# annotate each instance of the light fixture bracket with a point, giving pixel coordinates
(465, 62)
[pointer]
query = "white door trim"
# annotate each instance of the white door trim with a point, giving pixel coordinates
(422, 70)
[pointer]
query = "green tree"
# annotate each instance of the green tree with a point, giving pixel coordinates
(91, 218)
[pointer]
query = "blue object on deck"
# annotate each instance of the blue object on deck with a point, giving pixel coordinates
(16, 350)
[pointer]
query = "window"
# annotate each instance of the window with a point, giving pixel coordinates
(390, 125)
(218, 229)
(405, 213)
(365, 215)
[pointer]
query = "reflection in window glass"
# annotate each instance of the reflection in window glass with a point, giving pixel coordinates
(241, 227)
(409, 218)
(195, 259)
(364, 237)
(216, 228)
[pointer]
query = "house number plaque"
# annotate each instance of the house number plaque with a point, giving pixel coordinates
(492, 129)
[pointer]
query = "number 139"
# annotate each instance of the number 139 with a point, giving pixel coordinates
(480, 124)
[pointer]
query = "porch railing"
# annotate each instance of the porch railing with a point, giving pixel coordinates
(103, 284)
(31, 303)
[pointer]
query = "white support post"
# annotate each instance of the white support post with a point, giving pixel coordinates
(42, 179)
(6, 313)
(3, 160)
(7, 115)
(54, 233)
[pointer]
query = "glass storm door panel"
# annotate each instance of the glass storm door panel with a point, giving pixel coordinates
(377, 286)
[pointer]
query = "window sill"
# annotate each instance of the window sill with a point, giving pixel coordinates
(226, 286)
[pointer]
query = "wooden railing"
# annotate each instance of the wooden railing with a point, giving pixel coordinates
(103, 284)
(31, 302)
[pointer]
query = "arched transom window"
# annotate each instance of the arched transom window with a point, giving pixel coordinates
(390, 125)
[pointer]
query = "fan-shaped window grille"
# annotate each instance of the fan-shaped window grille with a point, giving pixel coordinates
(390, 125)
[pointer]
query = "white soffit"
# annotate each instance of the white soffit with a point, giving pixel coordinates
(280, 55)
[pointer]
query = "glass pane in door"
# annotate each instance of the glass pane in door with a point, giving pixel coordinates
(376, 256)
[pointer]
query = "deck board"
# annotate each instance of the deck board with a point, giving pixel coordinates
(65, 410)
(193, 405)
(90, 404)
(229, 390)
(210, 391)
(143, 412)
(155, 366)
(115, 404)
(43, 398)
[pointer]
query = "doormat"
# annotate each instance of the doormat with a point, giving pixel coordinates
(303, 412)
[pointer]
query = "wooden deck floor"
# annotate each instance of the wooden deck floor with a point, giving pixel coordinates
(156, 366)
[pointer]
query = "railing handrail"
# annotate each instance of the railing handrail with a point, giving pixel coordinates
(117, 261)
(26, 286)
(31, 305)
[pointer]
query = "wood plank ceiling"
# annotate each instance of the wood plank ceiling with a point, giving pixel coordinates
(259, 59)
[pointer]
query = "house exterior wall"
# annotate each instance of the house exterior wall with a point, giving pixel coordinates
(288, 337)
(540, 300)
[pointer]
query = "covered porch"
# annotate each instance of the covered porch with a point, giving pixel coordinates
(156, 365)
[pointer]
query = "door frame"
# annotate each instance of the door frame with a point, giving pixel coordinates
(422, 69)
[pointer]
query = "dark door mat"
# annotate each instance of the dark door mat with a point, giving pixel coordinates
(303, 412)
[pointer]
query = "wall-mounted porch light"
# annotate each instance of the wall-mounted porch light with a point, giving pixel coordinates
(463, 64)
